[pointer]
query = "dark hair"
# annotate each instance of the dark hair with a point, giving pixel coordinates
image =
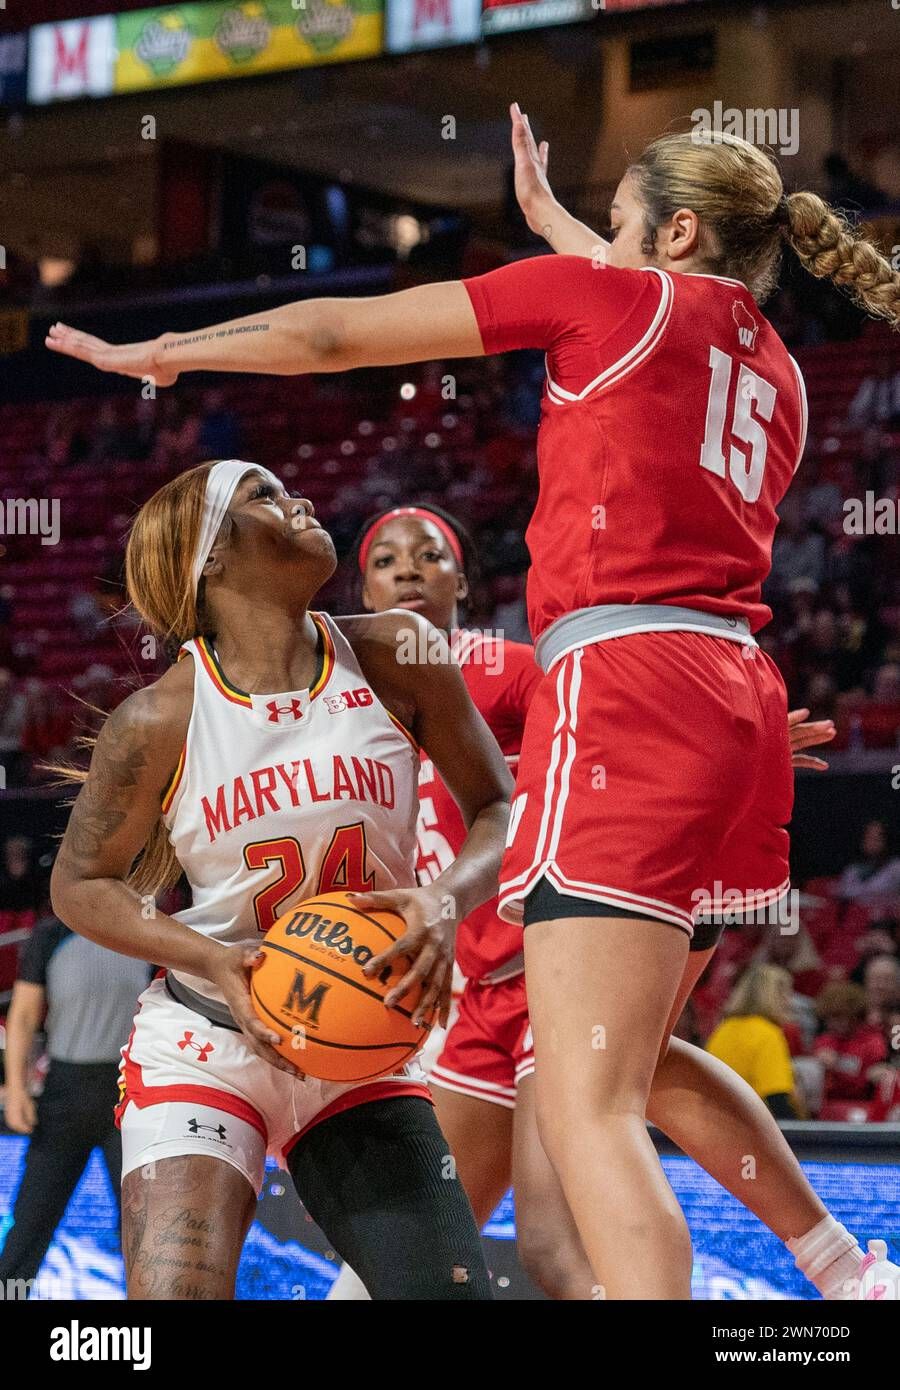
(470, 567)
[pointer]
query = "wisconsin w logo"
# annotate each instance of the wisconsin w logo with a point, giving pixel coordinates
(747, 327)
(306, 1005)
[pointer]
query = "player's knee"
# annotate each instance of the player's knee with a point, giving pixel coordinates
(552, 1260)
(606, 1109)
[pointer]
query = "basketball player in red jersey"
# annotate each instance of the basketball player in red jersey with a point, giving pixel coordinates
(264, 800)
(422, 558)
(655, 778)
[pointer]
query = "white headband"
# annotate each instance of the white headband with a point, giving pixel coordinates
(221, 484)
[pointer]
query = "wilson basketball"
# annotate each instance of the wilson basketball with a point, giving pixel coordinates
(311, 990)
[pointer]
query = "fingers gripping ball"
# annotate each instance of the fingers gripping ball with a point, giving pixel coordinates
(311, 990)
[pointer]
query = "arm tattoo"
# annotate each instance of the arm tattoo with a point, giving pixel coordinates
(219, 333)
(105, 799)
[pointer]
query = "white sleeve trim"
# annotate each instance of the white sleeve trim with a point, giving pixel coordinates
(631, 359)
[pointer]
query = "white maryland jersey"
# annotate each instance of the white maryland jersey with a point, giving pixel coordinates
(278, 798)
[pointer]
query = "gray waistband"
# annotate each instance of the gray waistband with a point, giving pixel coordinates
(209, 1008)
(588, 625)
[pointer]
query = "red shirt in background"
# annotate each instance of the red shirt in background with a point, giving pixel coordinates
(864, 1048)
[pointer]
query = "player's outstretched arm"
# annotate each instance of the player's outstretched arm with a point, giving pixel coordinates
(545, 216)
(313, 335)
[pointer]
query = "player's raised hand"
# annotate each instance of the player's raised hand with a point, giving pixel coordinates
(139, 360)
(428, 941)
(803, 735)
(533, 191)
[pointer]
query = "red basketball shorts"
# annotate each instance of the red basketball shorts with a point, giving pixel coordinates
(656, 776)
(489, 1048)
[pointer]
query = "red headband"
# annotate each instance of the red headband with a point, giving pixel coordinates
(446, 531)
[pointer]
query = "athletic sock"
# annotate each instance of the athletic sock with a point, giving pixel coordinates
(829, 1256)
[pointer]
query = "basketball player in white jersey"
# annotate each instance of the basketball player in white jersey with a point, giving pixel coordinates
(263, 799)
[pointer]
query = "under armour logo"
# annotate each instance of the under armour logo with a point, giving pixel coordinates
(747, 327)
(195, 1126)
(277, 712)
(203, 1049)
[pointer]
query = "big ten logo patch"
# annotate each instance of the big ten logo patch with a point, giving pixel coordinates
(349, 699)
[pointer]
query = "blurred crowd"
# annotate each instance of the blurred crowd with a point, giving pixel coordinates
(806, 1005)
(835, 594)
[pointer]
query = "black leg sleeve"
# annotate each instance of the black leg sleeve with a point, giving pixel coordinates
(380, 1182)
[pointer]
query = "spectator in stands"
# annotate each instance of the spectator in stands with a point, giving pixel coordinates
(849, 1047)
(823, 650)
(886, 686)
(86, 615)
(21, 888)
(879, 939)
(48, 724)
(877, 399)
(139, 432)
(795, 953)
(876, 465)
(751, 1040)
(875, 876)
(821, 697)
(879, 716)
(798, 552)
(861, 633)
(881, 981)
(220, 430)
(13, 709)
(88, 995)
(106, 435)
(64, 442)
(821, 501)
(177, 442)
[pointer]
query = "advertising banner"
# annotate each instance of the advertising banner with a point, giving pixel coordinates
(508, 16)
(72, 59)
(413, 24)
(177, 44)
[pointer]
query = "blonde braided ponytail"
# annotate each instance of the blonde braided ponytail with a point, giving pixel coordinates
(830, 248)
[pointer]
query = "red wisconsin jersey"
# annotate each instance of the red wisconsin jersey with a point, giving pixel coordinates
(672, 423)
(501, 678)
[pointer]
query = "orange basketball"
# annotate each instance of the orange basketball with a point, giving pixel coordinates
(311, 990)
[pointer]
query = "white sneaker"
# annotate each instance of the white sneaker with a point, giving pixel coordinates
(878, 1277)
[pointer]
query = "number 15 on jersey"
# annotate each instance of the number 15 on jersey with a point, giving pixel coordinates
(754, 402)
